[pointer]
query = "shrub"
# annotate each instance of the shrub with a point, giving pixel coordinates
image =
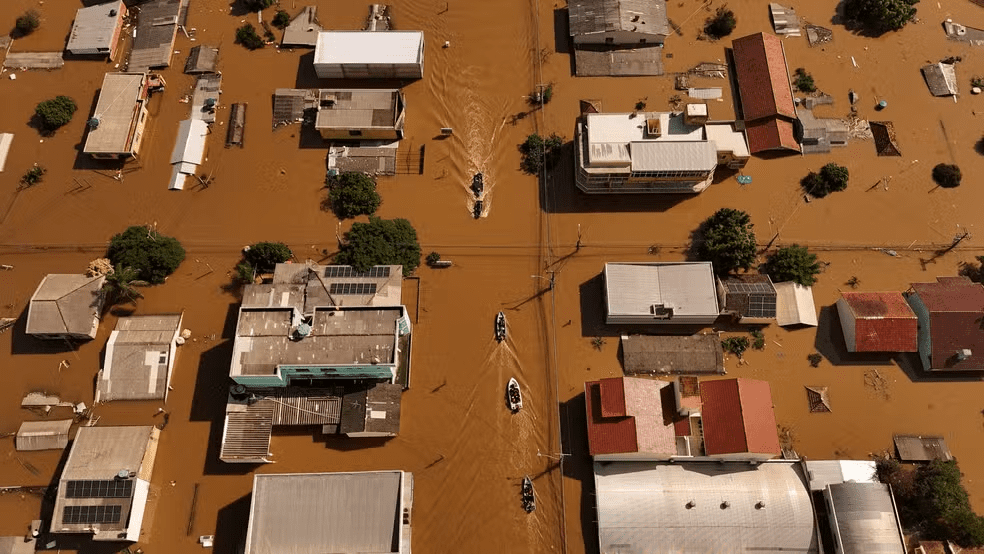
(537, 151)
(55, 112)
(246, 35)
(814, 359)
(28, 22)
(880, 15)
(758, 339)
(257, 5)
(352, 194)
(728, 241)
(977, 82)
(640, 105)
(804, 81)
(547, 94)
(832, 178)
(722, 24)
(947, 175)
(281, 20)
(245, 273)
(264, 256)
(433, 258)
(735, 345)
(152, 255)
(793, 263)
(380, 242)
(33, 176)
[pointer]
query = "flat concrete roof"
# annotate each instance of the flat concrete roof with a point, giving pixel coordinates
(117, 110)
(357, 109)
(369, 47)
(95, 27)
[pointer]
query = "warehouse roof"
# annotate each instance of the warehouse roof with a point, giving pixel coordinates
(367, 47)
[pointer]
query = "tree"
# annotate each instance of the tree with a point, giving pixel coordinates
(33, 176)
(352, 194)
(119, 285)
(28, 22)
(736, 345)
(793, 263)
(152, 255)
(55, 112)
(281, 20)
(433, 258)
(880, 15)
(947, 175)
(246, 35)
(264, 256)
(539, 153)
(245, 272)
(832, 178)
(257, 5)
(722, 24)
(728, 241)
(804, 81)
(380, 242)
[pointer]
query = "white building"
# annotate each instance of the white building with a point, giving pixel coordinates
(661, 292)
(369, 55)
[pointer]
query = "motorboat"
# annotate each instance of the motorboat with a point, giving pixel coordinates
(478, 184)
(514, 398)
(500, 327)
(529, 500)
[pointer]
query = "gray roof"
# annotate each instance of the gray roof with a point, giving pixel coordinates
(66, 304)
(359, 109)
(139, 358)
(43, 435)
(17, 545)
(913, 448)
(95, 26)
(601, 16)
(157, 26)
(319, 280)
(865, 519)
(117, 111)
(34, 60)
(687, 287)
(202, 59)
(314, 513)
(833, 472)
(687, 355)
(303, 30)
(941, 78)
(642, 508)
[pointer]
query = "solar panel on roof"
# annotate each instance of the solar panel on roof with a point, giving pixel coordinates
(378, 271)
(113, 488)
(92, 514)
(761, 305)
(352, 288)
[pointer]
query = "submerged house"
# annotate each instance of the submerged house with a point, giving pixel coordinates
(157, 27)
(117, 125)
(765, 93)
(323, 346)
(96, 30)
(738, 421)
(369, 55)
(949, 311)
(618, 37)
(139, 358)
(360, 114)
(66, 306)
(877, 322)
(104, 487)
(660, 293)
(749, 298)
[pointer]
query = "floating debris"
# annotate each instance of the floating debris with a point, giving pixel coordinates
(885, 141)
(819, 401)
(817, 35)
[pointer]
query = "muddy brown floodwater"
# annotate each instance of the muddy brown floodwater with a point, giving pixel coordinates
(466, 452)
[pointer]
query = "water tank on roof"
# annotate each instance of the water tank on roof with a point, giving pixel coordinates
(93, 123)
(112, 13)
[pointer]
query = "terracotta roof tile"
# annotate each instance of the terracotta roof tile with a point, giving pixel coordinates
(956, 307)
(738, 417)
(770, 134)
(606, 435)
(883, 322)
(612, 397)
(763, 79)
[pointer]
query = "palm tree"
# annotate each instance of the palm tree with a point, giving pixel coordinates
(119, 286)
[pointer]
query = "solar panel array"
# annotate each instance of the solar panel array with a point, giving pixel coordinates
(352, 288)
(113, 488)
(761, 305)
(745, 287)
(379, 271)
(92, 514)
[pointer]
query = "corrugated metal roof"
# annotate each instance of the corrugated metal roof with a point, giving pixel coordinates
(646, 17)
(914, 448)
(692, 354)
(43, 435)
(5, 140)
(673, 156)
(95, 27)
(189, 147)
(314, 513)
(367, 47)
(643, 508)
(202, 59)
(687, 287)
(794, 304)
(157, 27)
(356, 109)
(66, 304)
(763, 79)
(246, 436)
(737, 417)
(941, 78)
(831, 472)
(864, 515)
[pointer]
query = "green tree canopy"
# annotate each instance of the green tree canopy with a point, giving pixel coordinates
(881, 15)
(152, 255)
(119, 286)
(264, 256)
(728, 241)
(247, 36)
(793, 263)
(381, 242)
(539, 153)
(28, 23)
(722, 24)
(281, 19)
(947, 175)
(257, 5)
(832, 178)
(55, 112)
(352, 194)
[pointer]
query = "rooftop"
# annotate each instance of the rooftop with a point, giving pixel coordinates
(882, 322)
(832, 472)
(157, 27)
(951, 294)
(865, 517)
(139, 358)
(117, 112)
(626, 415)
(340, 285)
(671, 354)
(878, 305)
(686, 287)
(366, 47)
(303, 29)
(703, 507)
(738, 417)
(43, 435)
(763, 79)
(202, 59)
(341, 513)
(358, 109)
(770, 134)
(606, 16)
(95, 27)
(794, 304)
(955, 306)
(727, 139)
(66, 304)
(750, 295)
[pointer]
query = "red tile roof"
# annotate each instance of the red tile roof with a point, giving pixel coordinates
(607, 435)
(763, 79)
(612, 397)
(770, 134)
(956, 308)
(883, 322)
(737, 417)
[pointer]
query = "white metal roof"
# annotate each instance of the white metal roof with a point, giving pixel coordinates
(643, 508)
(95, 27)
(794, 304)
(116, 112)
(687, 287)
(726, 138)
(833, 472)
(673, 156)
(369, 47)
(5, 140)
(190, 145)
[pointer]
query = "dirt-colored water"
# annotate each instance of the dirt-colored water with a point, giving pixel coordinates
(466, 452)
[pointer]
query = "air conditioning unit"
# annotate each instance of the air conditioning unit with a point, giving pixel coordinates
(661, 311)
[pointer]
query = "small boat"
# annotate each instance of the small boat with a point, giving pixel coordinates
(477, 210)
(500, 327)
(514, 398)
(529, 500)
(478, 185)
(853, 96)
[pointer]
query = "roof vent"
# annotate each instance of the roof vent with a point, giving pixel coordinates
(123, 474)
(760, 504)
(112, 13)
(964, 354)
(662, 311)
(93, 123)
(725, 505)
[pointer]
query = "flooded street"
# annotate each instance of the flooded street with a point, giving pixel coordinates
(468, 454)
